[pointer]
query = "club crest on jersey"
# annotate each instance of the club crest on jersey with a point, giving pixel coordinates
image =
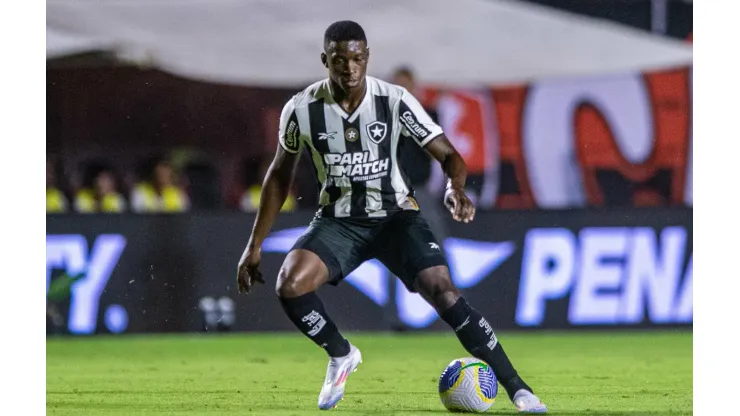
(376, 131)
(351, 134)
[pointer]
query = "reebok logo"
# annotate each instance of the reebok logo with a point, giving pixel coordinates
(462, 325)
(434, 246)
(324, 136)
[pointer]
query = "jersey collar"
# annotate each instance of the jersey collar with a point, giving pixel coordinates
(326, 95)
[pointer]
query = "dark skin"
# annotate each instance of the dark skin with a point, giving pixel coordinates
(347, 65)
(302, 271)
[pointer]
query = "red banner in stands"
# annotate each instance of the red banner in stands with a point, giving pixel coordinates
(610, 141)
(613, 140)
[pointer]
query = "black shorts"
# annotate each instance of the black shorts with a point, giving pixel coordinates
(403, 242)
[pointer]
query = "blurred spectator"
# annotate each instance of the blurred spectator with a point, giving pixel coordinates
(250, 199)
(56, 202)
(199, 177)
(463, 118)
(159, 191)
(416, 163)
(414, 160)
(100, 191)
(204, 187)
(403, 76)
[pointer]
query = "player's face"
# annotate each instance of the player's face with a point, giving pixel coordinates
(347, 63)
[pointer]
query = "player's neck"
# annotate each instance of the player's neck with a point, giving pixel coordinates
(348, 100)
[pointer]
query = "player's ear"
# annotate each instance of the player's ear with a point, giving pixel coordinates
(324, 60)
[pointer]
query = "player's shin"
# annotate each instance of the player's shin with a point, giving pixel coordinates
(476, 335)
(308, 314)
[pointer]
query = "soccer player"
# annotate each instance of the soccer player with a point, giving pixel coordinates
(354, 126)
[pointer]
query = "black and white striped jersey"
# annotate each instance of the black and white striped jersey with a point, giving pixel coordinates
(356, 155)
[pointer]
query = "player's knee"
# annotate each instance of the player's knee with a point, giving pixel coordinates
(288, 284)
(302, 272)
(436, 286)
(445, 297)
(294, 281)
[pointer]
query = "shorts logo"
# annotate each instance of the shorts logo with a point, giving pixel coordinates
(434, 246)
(351, 134)
(376, 131)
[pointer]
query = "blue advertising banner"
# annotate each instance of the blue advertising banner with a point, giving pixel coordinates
(522, 269)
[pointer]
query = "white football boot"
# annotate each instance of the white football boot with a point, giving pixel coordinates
(526, 402)
(336, 376)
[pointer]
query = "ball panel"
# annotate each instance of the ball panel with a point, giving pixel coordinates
(488, 385)
(450, 376)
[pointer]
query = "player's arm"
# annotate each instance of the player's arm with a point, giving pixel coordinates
(453, 165)
(275, 189)
(427, 134)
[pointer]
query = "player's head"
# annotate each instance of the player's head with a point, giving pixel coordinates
(346, 54)
(404, 77)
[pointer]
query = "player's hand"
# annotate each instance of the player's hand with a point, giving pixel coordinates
(248, 272)
(460, 206)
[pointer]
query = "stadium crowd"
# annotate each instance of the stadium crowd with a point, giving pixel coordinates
(183, 181)
(159, 186)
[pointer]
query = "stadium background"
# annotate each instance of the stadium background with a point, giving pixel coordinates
(578, 139)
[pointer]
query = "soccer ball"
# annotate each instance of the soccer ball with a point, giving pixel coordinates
(468, 385)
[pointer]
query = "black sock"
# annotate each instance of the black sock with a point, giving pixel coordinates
(476, 335)
(307, 313)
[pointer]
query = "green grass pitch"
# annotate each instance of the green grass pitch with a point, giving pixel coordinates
(260, 374)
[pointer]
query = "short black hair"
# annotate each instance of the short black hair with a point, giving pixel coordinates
(344, 30)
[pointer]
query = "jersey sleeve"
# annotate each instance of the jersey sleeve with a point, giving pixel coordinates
(415, 120)
(289, 135)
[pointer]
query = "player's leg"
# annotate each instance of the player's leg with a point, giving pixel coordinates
(301, 275)
(472, 329)
(475, 333)
(324, 254)
(412, 252)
